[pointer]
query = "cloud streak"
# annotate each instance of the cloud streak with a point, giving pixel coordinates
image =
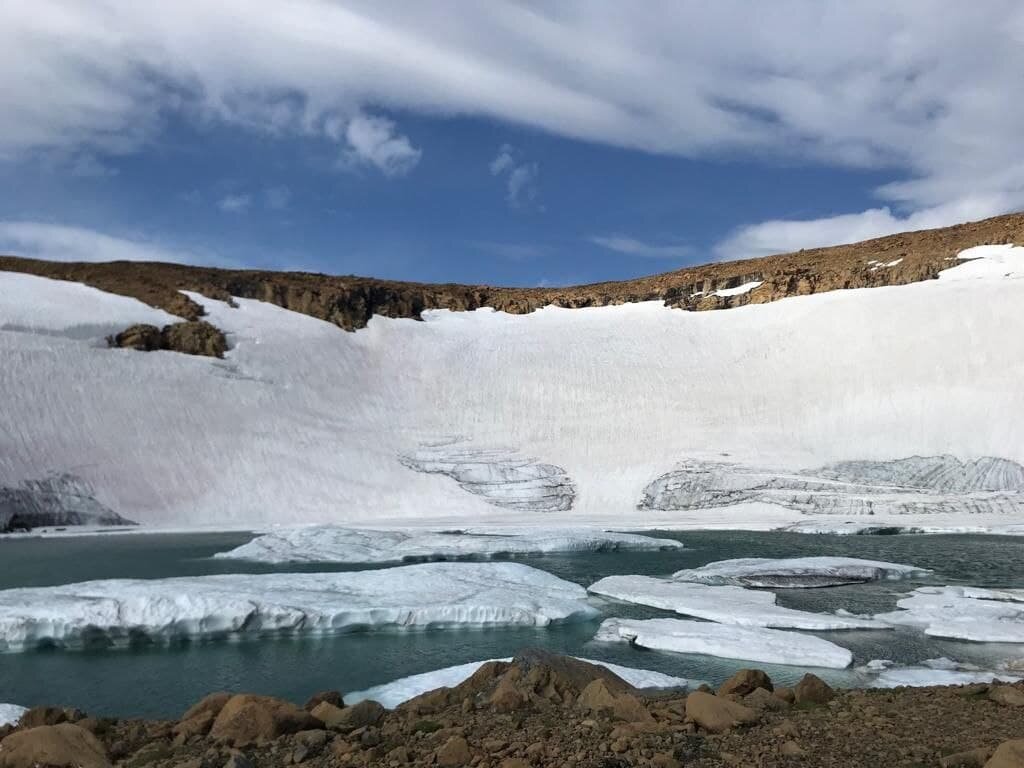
(633, 247)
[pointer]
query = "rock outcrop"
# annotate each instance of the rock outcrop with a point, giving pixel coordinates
(57, 500)
(192, 337)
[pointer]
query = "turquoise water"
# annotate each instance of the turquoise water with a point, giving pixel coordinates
(163, 681)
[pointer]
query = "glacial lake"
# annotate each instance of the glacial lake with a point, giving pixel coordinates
(162, 681)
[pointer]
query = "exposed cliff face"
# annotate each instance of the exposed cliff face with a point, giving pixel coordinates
(350, 302)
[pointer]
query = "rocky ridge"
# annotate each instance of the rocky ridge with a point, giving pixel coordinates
(547, 710)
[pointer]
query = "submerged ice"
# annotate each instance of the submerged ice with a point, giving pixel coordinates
(335, 544)
(723, 604)
(797, 572)
(431, 595)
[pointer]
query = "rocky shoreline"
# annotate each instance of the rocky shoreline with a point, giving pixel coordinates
(548, 710)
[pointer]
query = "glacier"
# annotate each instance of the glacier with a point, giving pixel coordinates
(722, 604)
(797, 572)
(767, 646)
(963, 613)
(562, 417)
(323, 544)
(423, 596)
(391, 694)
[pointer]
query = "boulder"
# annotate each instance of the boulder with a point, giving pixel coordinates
(813, 690)
(974, 758)
(360, 715)
(761, 700)
(37, 716)
(245, 720)
(331, 697)
(56, 746)
(143, 337)
(213, 703)
(598, 698)
(715, 714)
(454, 753)
(746, 681)
(1007, 695)
(1009, 754)
(195, 337)
(786, 694)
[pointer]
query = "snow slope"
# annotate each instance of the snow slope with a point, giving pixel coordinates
(397, 691)
(561, 416)
(429, 595)
(331, 544)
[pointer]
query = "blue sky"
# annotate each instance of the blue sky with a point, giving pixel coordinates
(516, 146)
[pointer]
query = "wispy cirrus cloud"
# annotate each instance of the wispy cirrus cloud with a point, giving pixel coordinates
(631, 246)
(522, 177)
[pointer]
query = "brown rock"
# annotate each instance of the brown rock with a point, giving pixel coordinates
(143, 337)
(514, 762)
(55, 746)
(761, 700)
(194, 337)
(331, 697)
(245, 720)
(813, 690)
(746, 681)
(786, 694)
(792, 749)
(974, 758)
(360, 715)
(1007, 695)
(717, 715)
(598, 698)
(37, 716)
(212, 703)
(1009, 754)
(454, 753)
(199, 725)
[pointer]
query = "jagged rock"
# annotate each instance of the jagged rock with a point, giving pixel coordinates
(454, 753)
(331, 697)
(55, 746)
(715, 714)
(813, 690)
(746, 681)
(1009, 754)
(359, 715)
(974, 758)
(1007, 695)
(246, 719)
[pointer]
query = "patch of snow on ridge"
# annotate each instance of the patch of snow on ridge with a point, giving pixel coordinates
(725, 605)
(986, 262)
(431, 595)
(322, 544)
(797, 572)
(963, 613)
(396, 692)
(11, 713)
(739, 290)
(767, 646)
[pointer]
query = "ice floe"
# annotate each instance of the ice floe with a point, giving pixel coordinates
(723, 604)
(352, 545)
(10, 714)
(941, 671)
(797, 572)
(767, 646)
(963, 613)
(397, 691)
(430, 595)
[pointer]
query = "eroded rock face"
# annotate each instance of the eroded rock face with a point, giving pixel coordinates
(501, 476)
(193, 337)
(58, 746)
(57, 500)
(913, 485)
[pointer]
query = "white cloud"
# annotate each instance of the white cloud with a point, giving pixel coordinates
(373, 141)
(874, 83)
(633, 247)
(521, 177)
(235, 203)
(277, 198)
(57, 242)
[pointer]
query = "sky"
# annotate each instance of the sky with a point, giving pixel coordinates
(514, 143)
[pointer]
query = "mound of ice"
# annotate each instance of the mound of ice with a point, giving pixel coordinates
(10, 714)
(725, 605)
(323, 544)
(963, 613)
(767, 646)
(430, 595)
(398, 691)
(797, 572)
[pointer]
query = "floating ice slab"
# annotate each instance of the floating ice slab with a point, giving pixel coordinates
(767, 646)
(922, 676)
(430, 595)
(725, 605)
(321, 544)
(10, 713)
(963, 613)
(797, 572)
(398, 691)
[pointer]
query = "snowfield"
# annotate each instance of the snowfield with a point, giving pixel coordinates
(331, 544)
(725, 605)
(390, 695)
(849, 405)
(797, 572)
(767, 646)
(425, 596)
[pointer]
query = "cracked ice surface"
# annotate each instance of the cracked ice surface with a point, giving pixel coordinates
(398, 691)
(963, 613)
(767, 646)
(429, 595)
(797, 572)
(725, 605)
(322, 544)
